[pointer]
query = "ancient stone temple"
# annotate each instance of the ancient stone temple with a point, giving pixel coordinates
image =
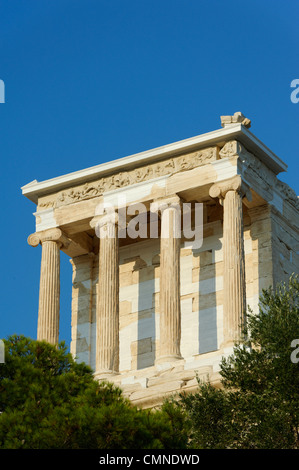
(168, 248)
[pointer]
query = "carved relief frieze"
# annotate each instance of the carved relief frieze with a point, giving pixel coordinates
(289, 193)
(265, 178)
(230, 149)
(250, 166)
(46, 205)
(126, 178)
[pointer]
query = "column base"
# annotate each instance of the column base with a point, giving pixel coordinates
(104, 374)
(171, 358)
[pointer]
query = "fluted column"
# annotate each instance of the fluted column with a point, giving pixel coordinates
(170, 305)
(107, 343)
(49, 291)
(231, 192)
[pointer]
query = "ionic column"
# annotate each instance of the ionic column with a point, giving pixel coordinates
(107, 343)
(231, 192)
(170, 305)
(49, 291)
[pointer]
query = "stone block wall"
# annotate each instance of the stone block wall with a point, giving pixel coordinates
(271, 255)
(201, 272)
(83, 316)
(285, 244)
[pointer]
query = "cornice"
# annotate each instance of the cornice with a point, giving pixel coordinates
(219, 137)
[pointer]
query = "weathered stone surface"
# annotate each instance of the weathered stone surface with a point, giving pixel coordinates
(141, 346)
(231, 193)
(107, 345)
(170, 309)
(48, 314)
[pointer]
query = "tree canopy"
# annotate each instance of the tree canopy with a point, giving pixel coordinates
(258, 403)
(47, 400)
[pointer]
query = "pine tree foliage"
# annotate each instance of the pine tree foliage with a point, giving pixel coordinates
(47, 400)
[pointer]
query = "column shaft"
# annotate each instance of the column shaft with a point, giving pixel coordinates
(107, 346)
(49, 292)
(170, 310)
(234, 267)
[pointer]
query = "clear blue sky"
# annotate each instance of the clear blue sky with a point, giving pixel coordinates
(88, 81)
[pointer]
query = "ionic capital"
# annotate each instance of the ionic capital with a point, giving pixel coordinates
(99, 221)
(53, 234)
(221, 188)
(162, 204)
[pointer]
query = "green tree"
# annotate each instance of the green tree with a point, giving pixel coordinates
(47, 400)
(258, 403)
